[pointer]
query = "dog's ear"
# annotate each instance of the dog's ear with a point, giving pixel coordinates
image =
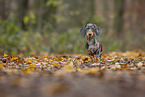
(97, 30)
(83, 31)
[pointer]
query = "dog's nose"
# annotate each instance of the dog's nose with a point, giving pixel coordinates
(90, 34)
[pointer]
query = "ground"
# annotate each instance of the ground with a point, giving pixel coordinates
(118, 74)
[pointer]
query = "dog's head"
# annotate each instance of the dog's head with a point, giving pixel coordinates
(89, 30)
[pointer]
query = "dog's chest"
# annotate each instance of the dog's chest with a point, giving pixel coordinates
(93, 43)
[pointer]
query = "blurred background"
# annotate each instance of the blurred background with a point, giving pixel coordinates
(35, 26)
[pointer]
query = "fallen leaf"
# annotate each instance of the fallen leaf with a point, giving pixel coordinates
(93, 70)
(29, 61)
(32, 65)
(1, 66)
(5, 55)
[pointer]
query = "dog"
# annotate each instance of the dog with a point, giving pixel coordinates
(93, 47)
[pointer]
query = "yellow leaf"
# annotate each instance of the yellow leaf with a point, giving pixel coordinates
(29, 61)
(57, 58)
(93, 70)
(45, 56)
(5, 55)
(50, 60)
(14, 58)
(82, 70)
(33, 65)
(55, 64)
(26, 19)
(1, 66)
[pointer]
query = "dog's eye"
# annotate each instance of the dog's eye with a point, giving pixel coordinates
(87, 28)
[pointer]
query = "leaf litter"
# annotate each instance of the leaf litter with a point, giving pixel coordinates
(118, 73)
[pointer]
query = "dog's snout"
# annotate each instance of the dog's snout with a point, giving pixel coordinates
(90, 34)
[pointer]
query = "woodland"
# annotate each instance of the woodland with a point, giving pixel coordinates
(42, 53)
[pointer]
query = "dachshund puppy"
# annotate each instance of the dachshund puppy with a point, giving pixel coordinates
(93, 47)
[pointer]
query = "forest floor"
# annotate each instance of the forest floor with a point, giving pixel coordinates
(118, 74)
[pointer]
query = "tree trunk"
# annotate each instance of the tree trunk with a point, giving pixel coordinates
(118, 19)
(22, 11)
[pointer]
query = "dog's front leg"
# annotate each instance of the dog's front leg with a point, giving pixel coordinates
(91, 57)
(98, 59)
